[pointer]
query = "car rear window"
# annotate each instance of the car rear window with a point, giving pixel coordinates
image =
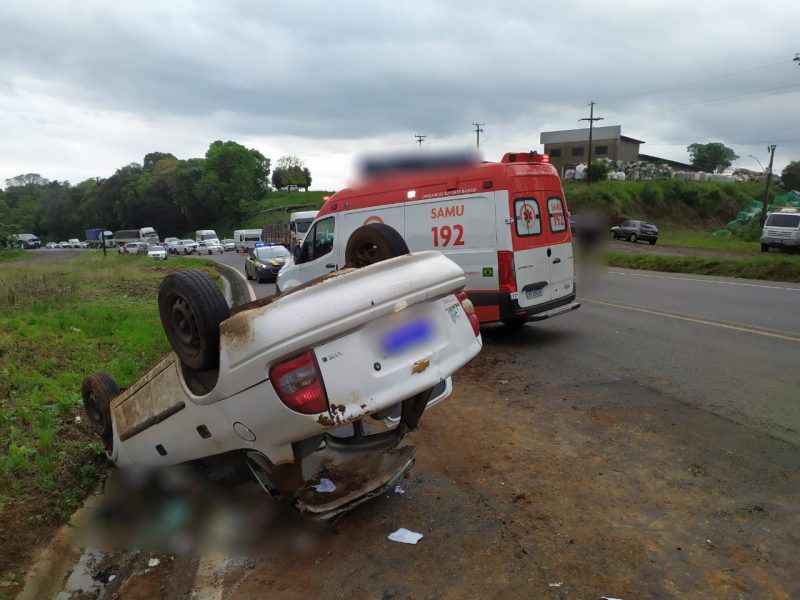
(556, 212)
(526, 217)
(783, 220)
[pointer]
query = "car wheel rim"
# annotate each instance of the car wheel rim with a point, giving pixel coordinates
(93, 410)
(185, 324)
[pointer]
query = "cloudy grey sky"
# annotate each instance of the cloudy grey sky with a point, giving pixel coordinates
(89, 86)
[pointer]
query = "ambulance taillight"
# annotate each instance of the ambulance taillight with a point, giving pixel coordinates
(505, 271)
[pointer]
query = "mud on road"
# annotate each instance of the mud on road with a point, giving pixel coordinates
(533, 483)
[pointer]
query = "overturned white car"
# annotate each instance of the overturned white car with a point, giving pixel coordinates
(322, 382)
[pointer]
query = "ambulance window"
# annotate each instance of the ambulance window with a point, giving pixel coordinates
(320, 239)
(526, 217)
(555, 210)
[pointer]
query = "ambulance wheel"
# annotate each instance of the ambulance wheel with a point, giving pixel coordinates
(191, 308)
(373, 243)
(98, 390)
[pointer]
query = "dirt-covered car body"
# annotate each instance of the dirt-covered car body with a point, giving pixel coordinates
(353, 358)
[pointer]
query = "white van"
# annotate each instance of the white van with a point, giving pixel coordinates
(246, 238)
(505, 224)
(299, 222)
(781, 230)
(205, 235)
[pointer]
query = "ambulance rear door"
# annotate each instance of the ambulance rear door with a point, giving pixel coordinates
(530, 237)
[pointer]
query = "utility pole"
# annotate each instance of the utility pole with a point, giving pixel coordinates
(771, 149)
(420, 138)
(591, 120)
(478, 132)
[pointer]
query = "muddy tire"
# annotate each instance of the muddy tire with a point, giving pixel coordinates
(373, 243)
(98, 390)
(191, 309)
(612, 235)
(633, 238)
(764, 247)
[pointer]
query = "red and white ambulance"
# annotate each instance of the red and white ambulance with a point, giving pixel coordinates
(504, 223)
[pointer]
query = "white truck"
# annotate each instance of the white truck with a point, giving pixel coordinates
(205, 235)
(322, 382)
(148, 235)
(246, 238)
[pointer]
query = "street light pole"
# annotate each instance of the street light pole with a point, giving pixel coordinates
(771, 149)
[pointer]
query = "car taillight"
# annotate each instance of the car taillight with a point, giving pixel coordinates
(468, 307)
(298, 383)
(505, 271)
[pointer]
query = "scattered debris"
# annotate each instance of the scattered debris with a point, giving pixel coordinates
(502, 381)
(405, 536)
(153, 562)
(398, 489)
(559, 584)
(78, 419)
(325, 486)
(609, 598)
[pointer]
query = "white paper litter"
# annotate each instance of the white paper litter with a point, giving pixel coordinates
(325, 486)
(153, 562)
(405, 536)
(111, 578)
(610, 598)
(559, 584)
(398, 489)
(77, 419)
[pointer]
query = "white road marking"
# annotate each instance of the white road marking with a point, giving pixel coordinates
(755, 285)
(669, 315)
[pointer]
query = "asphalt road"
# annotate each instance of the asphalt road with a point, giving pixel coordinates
(235, 260)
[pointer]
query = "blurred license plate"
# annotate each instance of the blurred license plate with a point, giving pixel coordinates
(534, 293)
(411, 334)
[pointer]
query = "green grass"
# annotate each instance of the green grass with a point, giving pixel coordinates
(11, 253)
(673, 235)
(60, 321)
(283, 200)
(784, 268)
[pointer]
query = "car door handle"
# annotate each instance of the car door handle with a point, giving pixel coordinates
(556, 261)
(330, 266)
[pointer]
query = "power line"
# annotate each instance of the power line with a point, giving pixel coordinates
(420, 138)
(715, 101)
(697, 81)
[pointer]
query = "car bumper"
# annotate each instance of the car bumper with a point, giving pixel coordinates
(780, 242)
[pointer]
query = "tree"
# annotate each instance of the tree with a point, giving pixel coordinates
(26, 179)
(713, 158)
(291, 170)
(597, 171)
(790, 176)
(151, 159)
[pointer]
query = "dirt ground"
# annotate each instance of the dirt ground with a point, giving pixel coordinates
(531, 484)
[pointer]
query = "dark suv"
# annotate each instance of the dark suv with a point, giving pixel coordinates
(633, 231)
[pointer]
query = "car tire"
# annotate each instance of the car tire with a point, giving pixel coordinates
(98, 390)
(612, 235)
(191, 308)
(373, 243)
(764, 248)
(652, 242)
(633, 238)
